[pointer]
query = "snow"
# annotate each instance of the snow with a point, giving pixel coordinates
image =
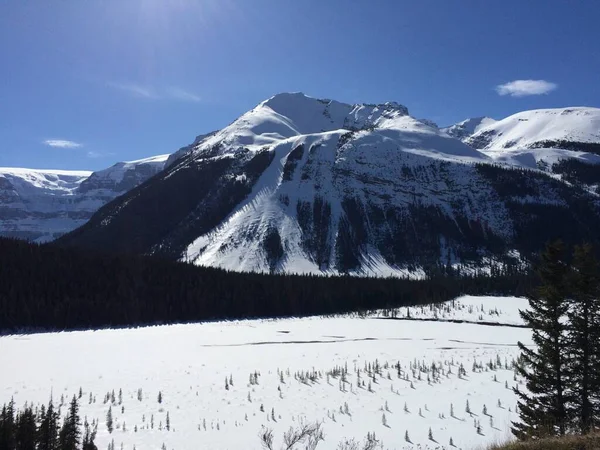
(189, 363)
(43, 204)
(580, 124)
(60, 181)
(385, 141)
(531, 158)
(117, 172)
(293, 115)
(468, 127)
(469, 308)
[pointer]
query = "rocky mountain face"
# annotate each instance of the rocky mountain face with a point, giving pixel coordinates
(41, 205)
(313, 185)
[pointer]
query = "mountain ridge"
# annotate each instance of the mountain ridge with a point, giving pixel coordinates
(307, 185)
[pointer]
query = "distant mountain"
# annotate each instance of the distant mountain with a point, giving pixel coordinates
(309, 185)
(540, 128)
(42, 205)
(468, 127)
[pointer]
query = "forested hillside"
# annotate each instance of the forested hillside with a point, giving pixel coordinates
(45, 287)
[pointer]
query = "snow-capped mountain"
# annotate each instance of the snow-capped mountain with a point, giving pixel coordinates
(539, 128)
(562, 141)
(42, 205)
(300, 184)
(468, 127)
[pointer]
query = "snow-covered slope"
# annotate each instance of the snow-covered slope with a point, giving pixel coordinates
(531, 129)
(468, 127)
(297, 364)
(561, 141)
(44, 204)
(300, 184)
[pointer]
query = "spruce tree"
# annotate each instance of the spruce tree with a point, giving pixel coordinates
(7, 426)
(583, 335)
(70, 434)
(88, 437)
(26, 430)
(542, 409)
(109, 420)
(48, 429)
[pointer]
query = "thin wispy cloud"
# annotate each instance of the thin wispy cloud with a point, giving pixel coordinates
(61, 143)
(174, 93)
(522, 88)
(135, 90)
(178, 93)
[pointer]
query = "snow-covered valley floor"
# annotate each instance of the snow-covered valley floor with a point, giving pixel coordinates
(188, 365)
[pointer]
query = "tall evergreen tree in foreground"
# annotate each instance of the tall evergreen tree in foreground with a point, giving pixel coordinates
(70, 435)
(543, 408)
(583, 335)
(48, 429)
(25, 434)
(7, 426)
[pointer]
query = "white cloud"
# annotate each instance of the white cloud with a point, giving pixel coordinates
(152, 93)
(61, 143)
(522, 88)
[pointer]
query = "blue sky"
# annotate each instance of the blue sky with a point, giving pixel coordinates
(84, 84)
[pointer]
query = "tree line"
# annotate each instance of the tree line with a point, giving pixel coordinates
(41, 428)
(47, 287)
(562, 371)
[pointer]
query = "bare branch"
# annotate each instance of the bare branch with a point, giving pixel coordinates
(266, 438)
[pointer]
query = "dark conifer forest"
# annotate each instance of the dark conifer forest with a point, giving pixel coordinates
(46, 287)
(41, 427)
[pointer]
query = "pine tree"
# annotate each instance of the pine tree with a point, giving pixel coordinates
(109, 420)
(168, 422)
(26, 430)
(583, 336)
(7, 426)
(70, 434)
(542, 409)
(89, 435)
(48, 429)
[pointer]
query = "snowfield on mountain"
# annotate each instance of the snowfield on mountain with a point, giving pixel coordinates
(221, 383)
(528, 128)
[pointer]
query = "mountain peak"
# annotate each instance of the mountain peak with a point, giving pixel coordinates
(468, 127)
(284, 101)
